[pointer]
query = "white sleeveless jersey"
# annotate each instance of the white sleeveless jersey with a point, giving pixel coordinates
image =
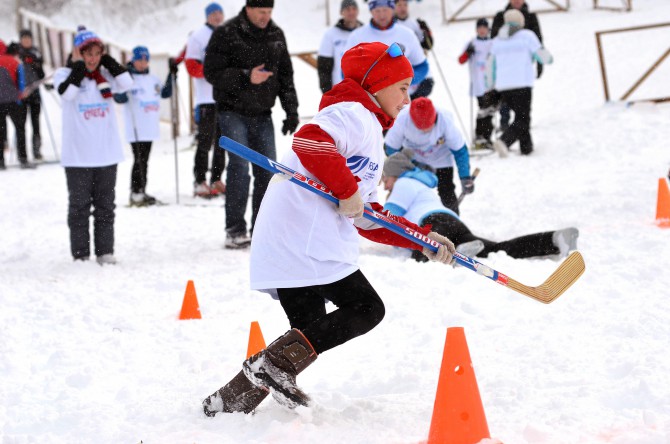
(299, 240)
(477, 65)
(195, 49)
(141, 112)
(90, 131)
(513, 60)
(333, 45)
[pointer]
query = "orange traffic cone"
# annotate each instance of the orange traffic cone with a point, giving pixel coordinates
(190, 308)
(458, 415)
(256, 341)
(663, 204)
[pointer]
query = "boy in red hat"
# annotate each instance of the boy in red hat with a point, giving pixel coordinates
(437, 144)
(305, 248)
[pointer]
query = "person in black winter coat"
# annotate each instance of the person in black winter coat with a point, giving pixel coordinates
(32, 61)
(248, 64)
(532, 24)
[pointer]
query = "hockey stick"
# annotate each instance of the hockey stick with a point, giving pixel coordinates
(475, 173)
(566, 274)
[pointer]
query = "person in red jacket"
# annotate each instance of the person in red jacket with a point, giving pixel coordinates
(12, 84)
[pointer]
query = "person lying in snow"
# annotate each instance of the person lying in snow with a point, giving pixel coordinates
(413, 197)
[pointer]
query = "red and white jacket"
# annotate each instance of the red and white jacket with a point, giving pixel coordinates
(299, 239)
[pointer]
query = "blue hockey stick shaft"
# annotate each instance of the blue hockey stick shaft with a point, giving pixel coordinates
(370, 214)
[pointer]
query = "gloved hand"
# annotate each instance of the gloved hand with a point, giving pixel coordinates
(112, 65)
(290, 124)
(540, 68)
(172, 66)
(351, 206)
(468, 184)
(470, 49)
(445, 252)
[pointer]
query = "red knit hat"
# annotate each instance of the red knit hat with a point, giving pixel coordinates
(3, 47)
(387, 71)
(423, 113)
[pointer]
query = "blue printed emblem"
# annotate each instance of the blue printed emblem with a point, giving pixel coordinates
(357, 163)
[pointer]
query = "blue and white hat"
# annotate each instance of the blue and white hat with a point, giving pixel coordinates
(85, 38)
(140, 53)
(372, 4)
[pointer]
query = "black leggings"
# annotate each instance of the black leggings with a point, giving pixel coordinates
(531, 245)
(359, 310)
(138, 176)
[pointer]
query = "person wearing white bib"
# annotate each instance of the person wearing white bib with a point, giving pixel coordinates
(436, 142)
(305, 248)
(333, 44)
(208, 127)
(412, 196)
(142, 120)
(510, 71)
(476, 53)
(91, 144)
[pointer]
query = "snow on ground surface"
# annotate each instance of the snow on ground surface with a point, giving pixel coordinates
(96, 354)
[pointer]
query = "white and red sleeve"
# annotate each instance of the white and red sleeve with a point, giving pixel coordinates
(318, 154)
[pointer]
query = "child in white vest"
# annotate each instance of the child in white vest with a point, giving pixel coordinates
(142, 120)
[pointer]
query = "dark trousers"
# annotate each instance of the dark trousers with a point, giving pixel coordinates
(17, 113)
(359, 310)
(519, 101)
(208, 134)
(446, 188)
(33, 105)
(257, 133)
(487, 108)
(138, 175)
(531, 245)
(91, 187)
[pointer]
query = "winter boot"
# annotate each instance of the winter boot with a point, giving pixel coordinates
(239, 395)
(565, 240)
(201, 190)
(276, 367)
(2, 163)
(37, 146)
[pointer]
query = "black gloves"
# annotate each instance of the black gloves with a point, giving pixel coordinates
(290, 124)
(112, 65)
(467, 184)
(173, 66)
(470, 50)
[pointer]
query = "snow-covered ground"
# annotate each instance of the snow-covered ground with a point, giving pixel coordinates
(96, 354)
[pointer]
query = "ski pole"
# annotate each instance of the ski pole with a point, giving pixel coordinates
(175, 131)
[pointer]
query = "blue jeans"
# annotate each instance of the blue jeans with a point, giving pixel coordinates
(258, 134)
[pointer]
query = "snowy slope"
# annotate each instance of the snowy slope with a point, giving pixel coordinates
(91, 354)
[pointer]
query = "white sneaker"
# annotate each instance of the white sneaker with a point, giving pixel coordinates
(106, 259)
(500, 148)
(565, 240)
(237, 242)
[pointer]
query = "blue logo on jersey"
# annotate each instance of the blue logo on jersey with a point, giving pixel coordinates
(357, 163)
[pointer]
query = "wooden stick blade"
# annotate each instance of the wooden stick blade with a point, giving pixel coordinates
(560, 280)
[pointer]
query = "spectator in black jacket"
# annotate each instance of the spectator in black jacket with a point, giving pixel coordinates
(32, 62)
(532, 24)
(248, 64)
